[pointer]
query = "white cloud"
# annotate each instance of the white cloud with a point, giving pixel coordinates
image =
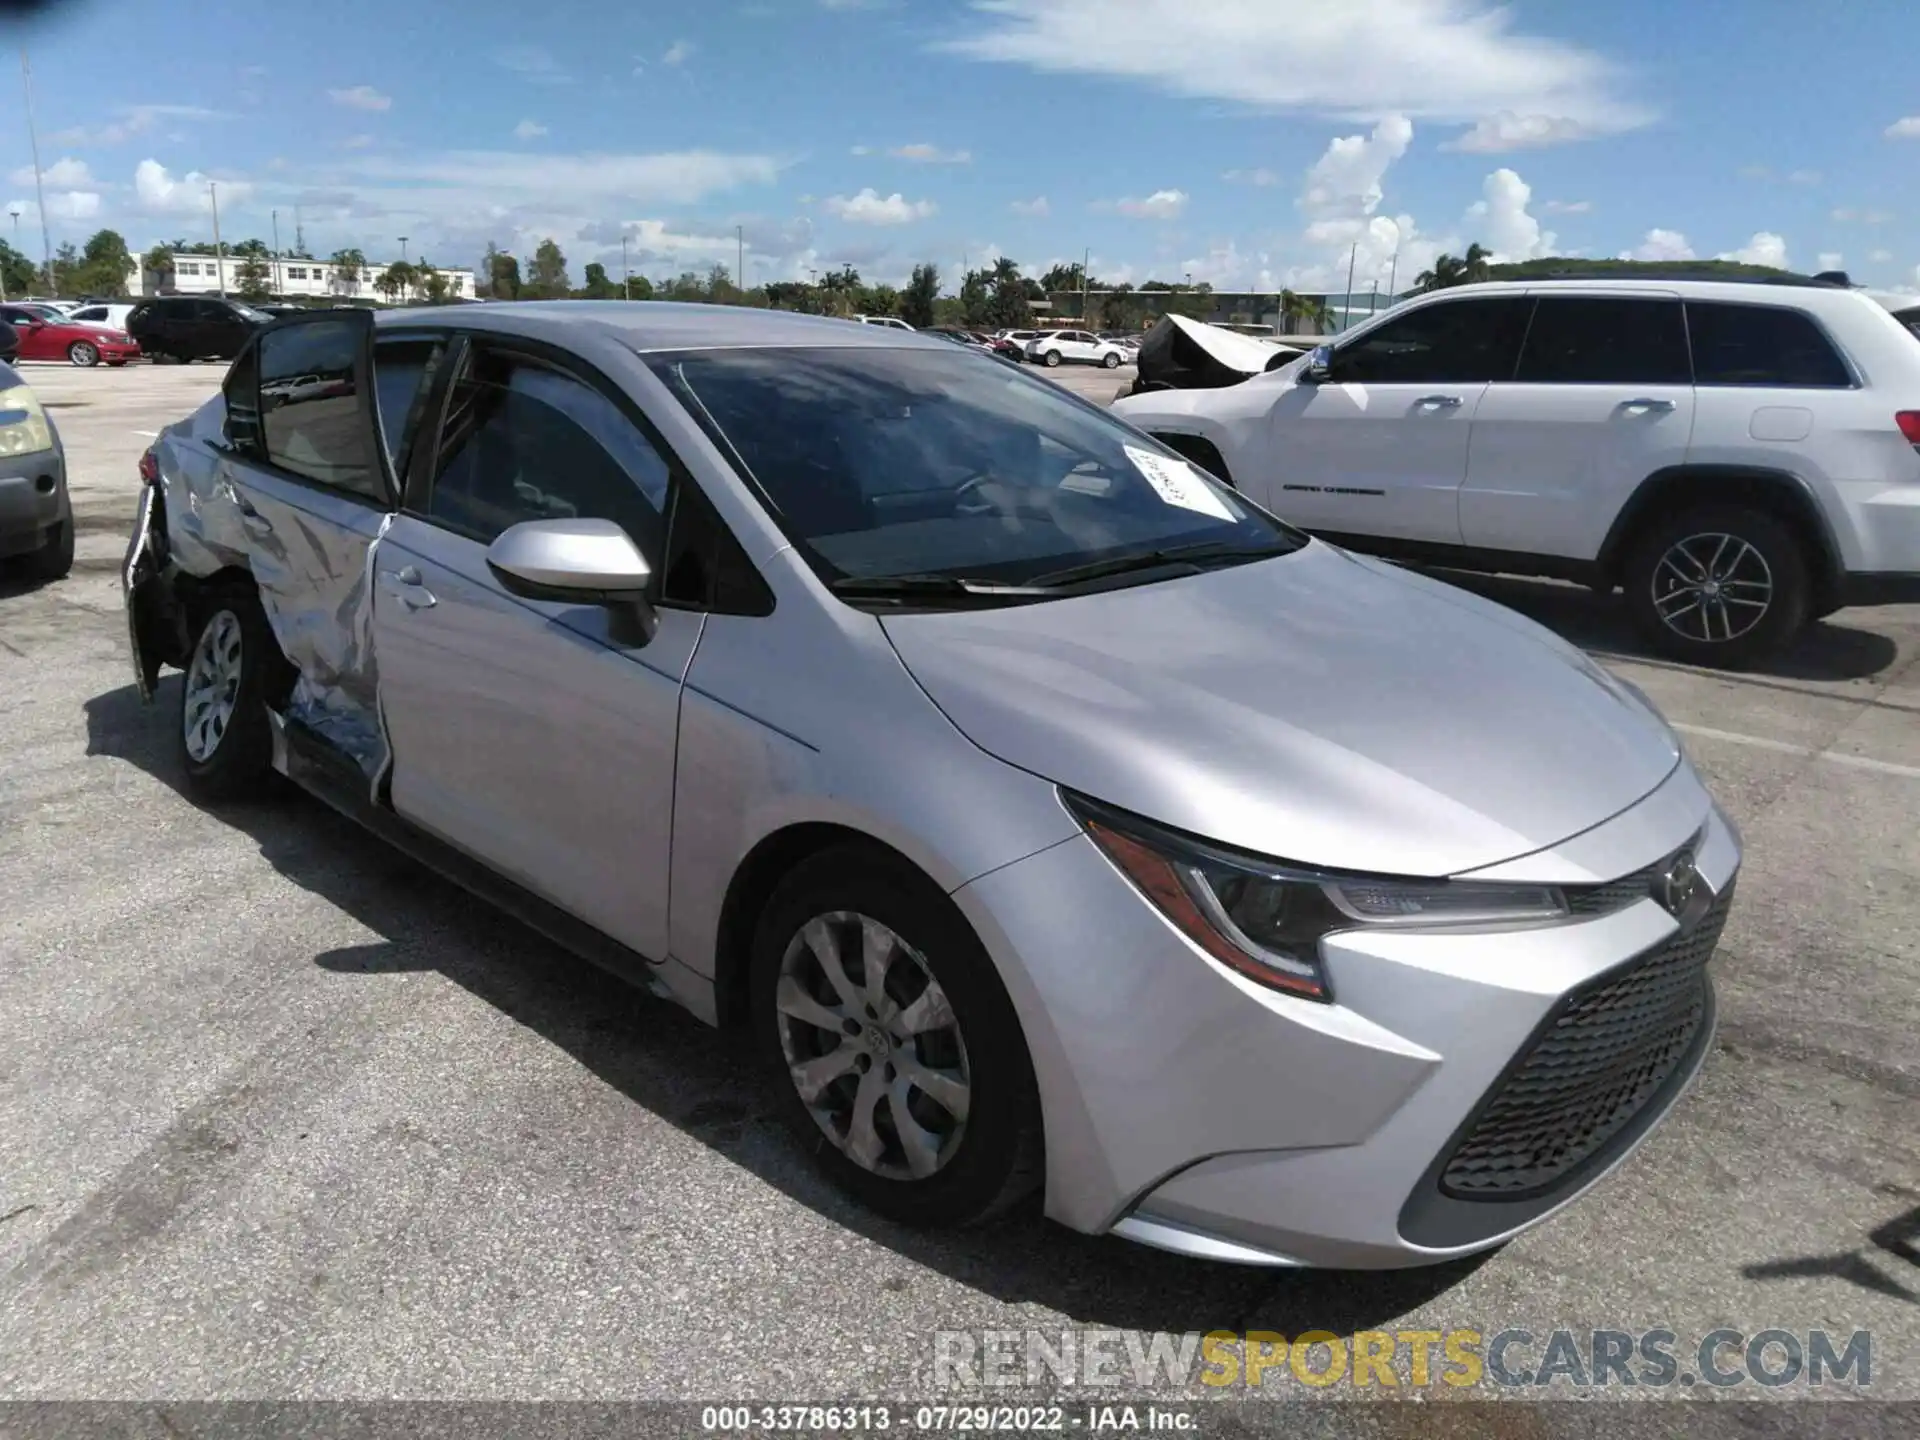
(1568, 207)
(357, 142)
(931, 155)
(1501, 217)
(361, 97)
(1847, 216)
(1160, 205)
(532, 63)
(1660, 245)
(1907, 127)
(158, 192)
(1832, 260)
(478, 178)
(1804, 177)
(1498, 134)
(1880, 257)
(1346, 182)
(61, 205)
(1261, 177)
(678, 53)
(529, 130)
(1034, 209)
(1765, 248)
(1445, 60)
(869, 207)
(66, 172)
(132, 120)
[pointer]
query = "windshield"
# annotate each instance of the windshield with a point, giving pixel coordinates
(248, 312)
(887, 463)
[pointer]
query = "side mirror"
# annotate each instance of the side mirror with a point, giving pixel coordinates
(589, 562)
(1319, 367)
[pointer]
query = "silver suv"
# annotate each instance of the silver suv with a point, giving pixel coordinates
(1057, 817)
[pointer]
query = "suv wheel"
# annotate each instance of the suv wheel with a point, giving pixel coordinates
(1112, 361)
(1053, 359)
(901, 1061)
(226, 741)
(1722, 586)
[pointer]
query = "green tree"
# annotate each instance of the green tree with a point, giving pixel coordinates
(395, 281)
(1451, 270)
(547, 275)
(429, 284)
(598, 285)
(880, 300)
(156, 270)
(976, 300)
(103, 265)
(720, 287)
(639, 287)
(254, 279)
(1061, 278)
(16, 270)
(348, 267)
(789, 295)
(66, 260)
(250, 247)
(1008, 307)
(916, 302)
(502, 274)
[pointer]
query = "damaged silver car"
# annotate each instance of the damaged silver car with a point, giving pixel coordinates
(1055, 815)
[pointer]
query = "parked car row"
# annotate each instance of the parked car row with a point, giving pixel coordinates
(1740, 458)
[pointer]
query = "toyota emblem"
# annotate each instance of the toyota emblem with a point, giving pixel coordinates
(1683, 891)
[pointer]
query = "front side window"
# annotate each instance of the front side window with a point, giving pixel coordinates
(924, 466)
(1580, 340)
(1456, 342)
(311, 412)
(1762, 345)
(524, 441)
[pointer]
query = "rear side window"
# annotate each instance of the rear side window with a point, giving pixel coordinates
(401, 370)
(1457, 342)
(312, 415)
(1577, 340)
(1762, 345)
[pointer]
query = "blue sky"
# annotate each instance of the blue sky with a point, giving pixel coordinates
(1245, 142)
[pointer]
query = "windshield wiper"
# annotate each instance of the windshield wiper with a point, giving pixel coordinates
(932, 587)
(1198, 556)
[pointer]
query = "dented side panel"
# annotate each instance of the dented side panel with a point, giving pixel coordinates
(309, 551)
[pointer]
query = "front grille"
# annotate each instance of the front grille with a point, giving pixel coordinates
(1603, 1057)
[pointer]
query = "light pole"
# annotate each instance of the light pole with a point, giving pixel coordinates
(1346, 312)
(219, 253)
(1393, 274)
(276, 252)
(403, 249)
(39, 193)
(626, 274)
(740, 258)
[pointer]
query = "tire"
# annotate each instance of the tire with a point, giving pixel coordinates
(1112, 362)
(226, 745)
(83, 354)
(1053, 359)
(965, 1170)
(1758, 605)
(53, 560)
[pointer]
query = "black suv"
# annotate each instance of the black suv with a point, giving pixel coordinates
(193, 327)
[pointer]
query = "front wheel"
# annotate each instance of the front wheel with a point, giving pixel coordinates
(53, 560)
(902, 1063)
(1112, 362)
(83, 354)
(1723, 586)
(226, 742)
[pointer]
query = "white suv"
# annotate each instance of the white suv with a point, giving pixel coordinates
(1053, 347)
(1739, 457)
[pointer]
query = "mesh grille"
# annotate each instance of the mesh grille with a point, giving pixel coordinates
(1591, 1072)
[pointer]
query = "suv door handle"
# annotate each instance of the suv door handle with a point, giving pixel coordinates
(406, 586)
(1440, 402)
(1660, 407)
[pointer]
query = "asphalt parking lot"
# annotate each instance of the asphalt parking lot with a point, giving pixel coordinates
(283, 1116)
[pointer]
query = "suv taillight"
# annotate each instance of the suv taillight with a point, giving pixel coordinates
(1909, 423)
(149, 469)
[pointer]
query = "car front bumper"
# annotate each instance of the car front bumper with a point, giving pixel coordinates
(33, 500)
(1449, 1098)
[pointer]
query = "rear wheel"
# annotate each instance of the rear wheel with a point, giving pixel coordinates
(1053, 359)
(83, 354)
(234, 667)
(1723, 585)
(902, 1063)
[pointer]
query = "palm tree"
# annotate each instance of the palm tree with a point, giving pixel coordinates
(1477, 264)
(347, 268)
(158, 262)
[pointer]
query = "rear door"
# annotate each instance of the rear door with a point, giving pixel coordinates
(313, 483)
(1601, 399)
(538, 737)
(1380, 449)
(28, 330)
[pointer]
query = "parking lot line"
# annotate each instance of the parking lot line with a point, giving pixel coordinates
(1787, 747)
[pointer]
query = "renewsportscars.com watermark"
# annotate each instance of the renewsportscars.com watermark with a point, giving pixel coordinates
(1457, 1359)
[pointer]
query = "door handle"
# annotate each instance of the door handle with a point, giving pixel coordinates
(1440, 402)
(1656, 407)
(406, 586)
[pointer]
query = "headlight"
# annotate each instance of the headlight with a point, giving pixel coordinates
(23, 424)
(1265, 919)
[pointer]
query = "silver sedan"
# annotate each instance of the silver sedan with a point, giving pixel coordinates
(1059, 820)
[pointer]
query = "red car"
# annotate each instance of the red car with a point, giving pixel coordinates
(47, 339)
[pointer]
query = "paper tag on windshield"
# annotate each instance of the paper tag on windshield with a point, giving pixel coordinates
(1178, 483)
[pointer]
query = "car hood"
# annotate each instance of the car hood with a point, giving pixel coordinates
(1316, 707)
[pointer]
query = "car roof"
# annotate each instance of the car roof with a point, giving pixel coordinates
(646, 325)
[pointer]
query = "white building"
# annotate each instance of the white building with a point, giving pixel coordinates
(201, 275)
